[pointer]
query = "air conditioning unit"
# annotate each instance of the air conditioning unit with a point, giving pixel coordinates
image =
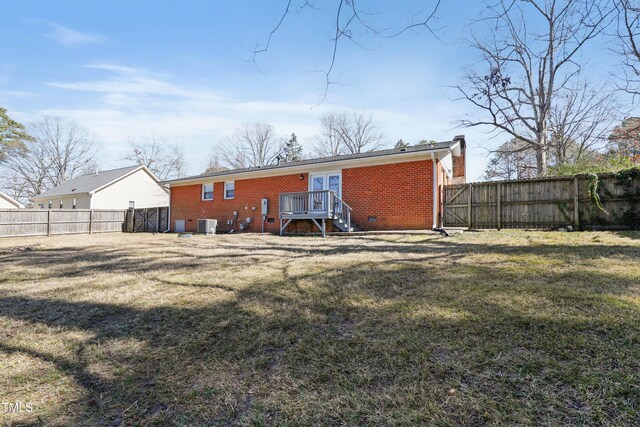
(207, 226)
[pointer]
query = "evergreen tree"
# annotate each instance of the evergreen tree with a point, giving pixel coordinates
(292, 150)
(12, 135)
(401, 144)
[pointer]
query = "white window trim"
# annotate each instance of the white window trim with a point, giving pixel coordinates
(202, 192)
(225, 190)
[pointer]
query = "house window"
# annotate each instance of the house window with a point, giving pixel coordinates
(74, 204)
(207, 191)
(132, 205)
(229, 189)
(50, 204)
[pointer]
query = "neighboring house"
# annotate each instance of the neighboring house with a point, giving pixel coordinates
(133, 186)
(385, 190)
(7, 202)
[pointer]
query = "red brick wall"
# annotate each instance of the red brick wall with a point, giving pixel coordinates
(187, 203)
(459, 169)
(399, 195)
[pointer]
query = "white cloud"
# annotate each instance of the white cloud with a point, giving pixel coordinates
(15, 94)
(129, 102)
(71, 38)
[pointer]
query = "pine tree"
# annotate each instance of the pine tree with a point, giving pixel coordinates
(292, 151)
(12, 135)
(401, 144)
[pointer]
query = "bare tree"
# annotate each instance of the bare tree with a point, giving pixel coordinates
(68, 147)
(512, 160)
(58, 151)
(328, 143)
(628, 31)
(165, 160)
(579, 122)
(347, 133)
(28, 175)
(352, 22)
(251, 145)
(530, 59)
(215, 165)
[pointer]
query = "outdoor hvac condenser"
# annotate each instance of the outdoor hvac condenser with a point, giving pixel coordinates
(207, 226)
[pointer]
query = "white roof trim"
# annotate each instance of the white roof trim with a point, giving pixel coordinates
(13, 201)
(456, 149)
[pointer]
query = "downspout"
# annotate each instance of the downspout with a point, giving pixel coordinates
(168, 214)
(435, 199)
(435, 191)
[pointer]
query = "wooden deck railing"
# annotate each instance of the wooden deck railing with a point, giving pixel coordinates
(324, 204)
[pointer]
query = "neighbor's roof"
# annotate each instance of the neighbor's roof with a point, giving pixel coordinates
(88, 183)
(11, 200)
(380, 153)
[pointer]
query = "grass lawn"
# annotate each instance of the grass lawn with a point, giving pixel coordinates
(486, 328)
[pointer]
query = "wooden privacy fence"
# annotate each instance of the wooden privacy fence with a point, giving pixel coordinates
(38, 222)
(543, 203)
(150, 220)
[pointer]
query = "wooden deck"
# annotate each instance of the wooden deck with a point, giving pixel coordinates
(317, 206)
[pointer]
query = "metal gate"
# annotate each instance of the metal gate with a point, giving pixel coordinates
(149, 220)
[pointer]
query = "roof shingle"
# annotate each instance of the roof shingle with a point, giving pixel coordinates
(416, 148)
(87, 183)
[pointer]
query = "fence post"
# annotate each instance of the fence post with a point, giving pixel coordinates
(130, 217)
(469, 223)
(49, 222)
(91, 221)
(498, 207)
(576, 201)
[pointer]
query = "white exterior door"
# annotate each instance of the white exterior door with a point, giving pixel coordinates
(324, 181)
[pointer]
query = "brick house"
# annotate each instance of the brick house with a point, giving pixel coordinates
(396, 189)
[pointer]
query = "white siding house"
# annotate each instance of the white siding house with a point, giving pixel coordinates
(120, 188)
(7, 202)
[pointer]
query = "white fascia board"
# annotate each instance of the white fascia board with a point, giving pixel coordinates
(456, 149)
(12, 201)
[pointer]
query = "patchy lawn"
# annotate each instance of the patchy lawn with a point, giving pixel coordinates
(479, 328)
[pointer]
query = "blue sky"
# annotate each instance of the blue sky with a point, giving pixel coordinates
(182, 71)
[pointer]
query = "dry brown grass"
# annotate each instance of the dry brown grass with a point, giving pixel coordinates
(475, 329)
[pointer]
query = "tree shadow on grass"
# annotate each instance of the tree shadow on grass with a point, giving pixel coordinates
(369, 343)
(140, 260)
